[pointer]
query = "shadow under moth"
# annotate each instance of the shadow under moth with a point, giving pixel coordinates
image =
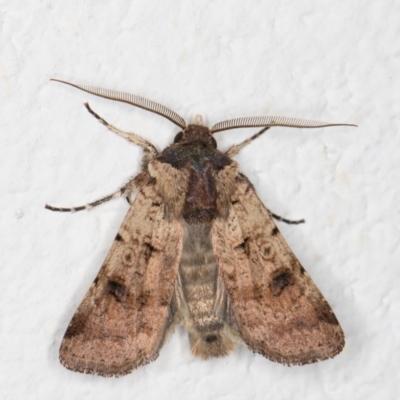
(197, 248)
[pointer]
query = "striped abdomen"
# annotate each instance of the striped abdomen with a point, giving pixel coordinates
(205, 304)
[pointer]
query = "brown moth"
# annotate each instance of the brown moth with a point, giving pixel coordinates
(198, 248)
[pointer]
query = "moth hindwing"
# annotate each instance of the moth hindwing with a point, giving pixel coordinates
(198, 248)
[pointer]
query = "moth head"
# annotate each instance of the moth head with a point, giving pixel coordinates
(196, 132)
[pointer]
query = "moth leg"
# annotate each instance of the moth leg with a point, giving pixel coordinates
(237, 147)
(129, 187)
(288, 221)
(132, 137)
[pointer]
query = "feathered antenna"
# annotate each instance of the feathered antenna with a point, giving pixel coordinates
(253, 122)
(131, 99)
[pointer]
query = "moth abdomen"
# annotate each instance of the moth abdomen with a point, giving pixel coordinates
(205, 308)
(197, 270)
(208, 345)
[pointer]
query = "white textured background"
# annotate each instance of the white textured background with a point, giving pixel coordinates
(326, 60)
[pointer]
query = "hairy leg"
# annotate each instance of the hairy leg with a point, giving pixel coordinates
(127, 189)
(132, 137)
(237, 147)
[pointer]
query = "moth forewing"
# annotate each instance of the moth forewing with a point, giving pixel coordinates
(278, 309)
(122, 320)
(197, 248)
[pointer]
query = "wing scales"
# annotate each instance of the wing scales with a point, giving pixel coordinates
(122, 320)
(278, 309)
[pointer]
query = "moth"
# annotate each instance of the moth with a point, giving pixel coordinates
(197, 248)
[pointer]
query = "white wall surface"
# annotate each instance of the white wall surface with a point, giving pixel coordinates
(333, 61)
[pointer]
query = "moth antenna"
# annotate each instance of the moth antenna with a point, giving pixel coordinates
(131, 99)
(253, 122)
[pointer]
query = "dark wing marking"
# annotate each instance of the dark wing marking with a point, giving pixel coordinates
(122, 320)
(277, 308)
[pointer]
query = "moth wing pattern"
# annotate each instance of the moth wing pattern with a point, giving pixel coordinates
(122, 321)
(277, 308)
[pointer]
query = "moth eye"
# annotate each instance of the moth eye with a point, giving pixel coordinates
(178, 137)
(281, 280)
(214, 142)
